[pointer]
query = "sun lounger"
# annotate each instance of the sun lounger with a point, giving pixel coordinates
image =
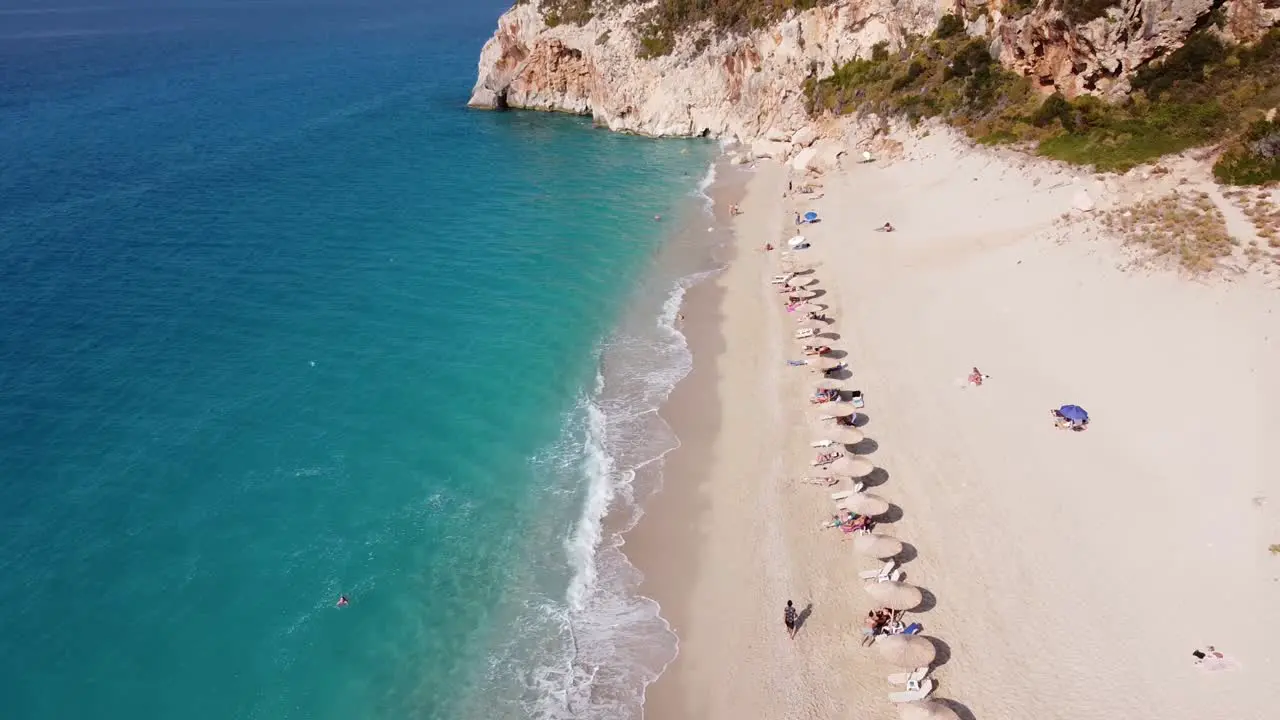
(895, 575)
(780, 279)
(857, 488)
(915, 676)
(877, 574)
(822, 443)
(914, 692)
(805, 333)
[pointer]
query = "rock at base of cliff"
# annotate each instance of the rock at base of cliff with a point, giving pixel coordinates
(772, 149)
(805, 159)
(482, 98)
(1082, 202)
(804, 137)
(829, 153)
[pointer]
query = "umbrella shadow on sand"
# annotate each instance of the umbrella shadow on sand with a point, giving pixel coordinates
(866, 447)
(959, 709)
(892, 515)
(838, 354)
(929, 601)
(876, 478)
(906, 555)
(942, 651)
(862, 418)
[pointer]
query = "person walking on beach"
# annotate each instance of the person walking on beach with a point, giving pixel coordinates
(791, 619)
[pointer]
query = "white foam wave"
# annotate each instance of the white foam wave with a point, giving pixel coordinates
(597, 467)
(613, 641)
(709, 179)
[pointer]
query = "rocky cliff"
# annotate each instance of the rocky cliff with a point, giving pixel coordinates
(750, 86)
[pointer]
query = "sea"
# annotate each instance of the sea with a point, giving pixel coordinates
(281, 321)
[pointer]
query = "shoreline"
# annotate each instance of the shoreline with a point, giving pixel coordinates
(1020, 536)
(665, 545)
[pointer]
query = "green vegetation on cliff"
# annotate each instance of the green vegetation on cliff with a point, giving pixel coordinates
(1205, 92)
(658, 27)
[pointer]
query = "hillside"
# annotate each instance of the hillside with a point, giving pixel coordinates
(1106, 82)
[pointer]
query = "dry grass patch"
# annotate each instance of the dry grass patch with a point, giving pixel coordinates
(1263, 213)
(1186, 228)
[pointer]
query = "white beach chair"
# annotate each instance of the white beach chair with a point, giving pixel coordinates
(805, 333)
(886, 576)
(857, 488)
(878, 574)
(780, 279)
(914, 692)
(915, 676)
(822, 443)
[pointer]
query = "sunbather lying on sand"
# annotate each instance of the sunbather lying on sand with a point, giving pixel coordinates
(824, 396)
(816, 349)
(827, 458)
(846, 517)
(976, 377)
(861, 523)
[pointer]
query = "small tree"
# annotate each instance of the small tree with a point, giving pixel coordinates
(949, 26)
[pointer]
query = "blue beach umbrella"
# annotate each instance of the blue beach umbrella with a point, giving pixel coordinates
(1074, 413)
(810, 216)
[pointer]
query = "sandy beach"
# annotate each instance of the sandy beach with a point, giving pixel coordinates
(1066, 574)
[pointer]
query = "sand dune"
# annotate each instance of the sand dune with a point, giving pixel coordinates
(1068, 575)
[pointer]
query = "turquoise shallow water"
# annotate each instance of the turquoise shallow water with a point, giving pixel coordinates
(283, 320)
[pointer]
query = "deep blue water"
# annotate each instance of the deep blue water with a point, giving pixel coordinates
(280, 320)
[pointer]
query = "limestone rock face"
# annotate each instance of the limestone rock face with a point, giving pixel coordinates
(752, 87)
(735, 87)
(1098, 56)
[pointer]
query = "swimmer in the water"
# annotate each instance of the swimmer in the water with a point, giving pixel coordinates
(343, 601)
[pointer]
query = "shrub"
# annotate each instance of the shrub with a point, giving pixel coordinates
(1055, 107)
(574, 12)
(1081, 12)
(672, 17)
(1254, 159)
(1017, 8)
(1183, 66)
(948, 26)
(973, 55)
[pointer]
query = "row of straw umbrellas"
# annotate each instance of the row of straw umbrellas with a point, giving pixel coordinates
(904, 651)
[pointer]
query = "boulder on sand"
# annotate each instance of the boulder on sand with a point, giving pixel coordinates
(805, 160)
(804, 137)
(770, 149)
(1081, 201)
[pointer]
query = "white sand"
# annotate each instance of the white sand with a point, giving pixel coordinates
(1072, 573)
